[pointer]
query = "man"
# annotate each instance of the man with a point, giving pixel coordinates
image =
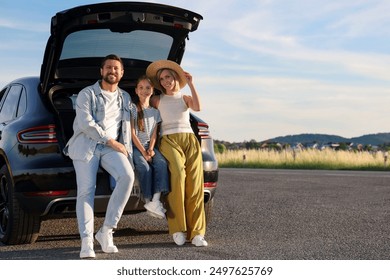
(102, 136)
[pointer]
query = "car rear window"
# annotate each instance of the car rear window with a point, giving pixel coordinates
(138, 44)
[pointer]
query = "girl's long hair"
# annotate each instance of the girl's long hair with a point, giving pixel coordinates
(140, 111)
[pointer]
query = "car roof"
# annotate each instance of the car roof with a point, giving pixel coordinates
(138, 32)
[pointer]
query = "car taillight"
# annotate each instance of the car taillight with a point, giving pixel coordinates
(38, 135)
(210, 184)
(203, 130)
(47, 193)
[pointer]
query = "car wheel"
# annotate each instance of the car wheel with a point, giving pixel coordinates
(16, 226)
(208, 206)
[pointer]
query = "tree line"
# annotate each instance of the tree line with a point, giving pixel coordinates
(222, 146)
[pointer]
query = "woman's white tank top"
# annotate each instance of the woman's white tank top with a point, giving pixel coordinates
(175, 114)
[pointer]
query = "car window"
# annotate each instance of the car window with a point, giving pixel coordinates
(2, 94)
(22, 104)
(138, 44)
(10, 105)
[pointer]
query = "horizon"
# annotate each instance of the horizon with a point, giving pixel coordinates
(302, 134)
(262, 68)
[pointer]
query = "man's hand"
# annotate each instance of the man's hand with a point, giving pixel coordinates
(117, 146)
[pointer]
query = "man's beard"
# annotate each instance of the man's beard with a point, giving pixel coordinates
(111, 79)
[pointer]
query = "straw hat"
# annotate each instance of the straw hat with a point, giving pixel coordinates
(154, 67)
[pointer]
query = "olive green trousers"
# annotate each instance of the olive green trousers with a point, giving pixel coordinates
(185, 211)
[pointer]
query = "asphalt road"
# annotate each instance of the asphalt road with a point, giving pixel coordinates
(258, 215)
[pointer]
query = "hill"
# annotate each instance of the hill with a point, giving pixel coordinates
(306, 138)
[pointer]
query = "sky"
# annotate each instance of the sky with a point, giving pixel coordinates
(263, 68)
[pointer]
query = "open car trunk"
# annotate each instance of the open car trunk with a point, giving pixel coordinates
(137, 32)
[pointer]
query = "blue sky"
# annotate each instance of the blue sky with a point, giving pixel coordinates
(263, 68)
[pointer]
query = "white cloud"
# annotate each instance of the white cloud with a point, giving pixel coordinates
(371, 19)
(264, 34)
(19, 25)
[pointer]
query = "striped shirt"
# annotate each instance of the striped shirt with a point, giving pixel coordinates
(151, 120)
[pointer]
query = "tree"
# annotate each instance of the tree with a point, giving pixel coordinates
(252, 145)
(343, 146)
(219, 148)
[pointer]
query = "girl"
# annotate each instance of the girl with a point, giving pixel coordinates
(150, 165)
(179, 145)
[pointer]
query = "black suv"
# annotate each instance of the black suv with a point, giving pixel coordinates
(37, 181)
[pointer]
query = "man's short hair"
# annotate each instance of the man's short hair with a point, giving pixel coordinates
(111, 57)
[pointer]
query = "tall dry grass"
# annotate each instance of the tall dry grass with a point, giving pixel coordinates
(304, 159)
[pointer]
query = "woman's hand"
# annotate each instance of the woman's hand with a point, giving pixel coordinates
(188, 77)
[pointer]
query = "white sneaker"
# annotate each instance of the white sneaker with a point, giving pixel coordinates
(87, 248)
(106, 241)
(162, 207)
(199, 241)
(179, 238)
(155, 209)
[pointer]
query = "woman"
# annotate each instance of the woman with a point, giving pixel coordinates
(179, 145)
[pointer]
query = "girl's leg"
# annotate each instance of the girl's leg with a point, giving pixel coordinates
(144, 173)
(160, 173)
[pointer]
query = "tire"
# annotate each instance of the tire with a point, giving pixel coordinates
(16, 226)
(208, 210)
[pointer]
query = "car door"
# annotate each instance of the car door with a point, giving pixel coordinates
(12, 106)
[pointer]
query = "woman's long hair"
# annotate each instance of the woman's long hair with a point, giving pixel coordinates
(173, 74)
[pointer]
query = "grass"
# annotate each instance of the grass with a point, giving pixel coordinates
(305, 159)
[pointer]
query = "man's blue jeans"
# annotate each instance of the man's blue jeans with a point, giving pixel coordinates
(119, 167)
